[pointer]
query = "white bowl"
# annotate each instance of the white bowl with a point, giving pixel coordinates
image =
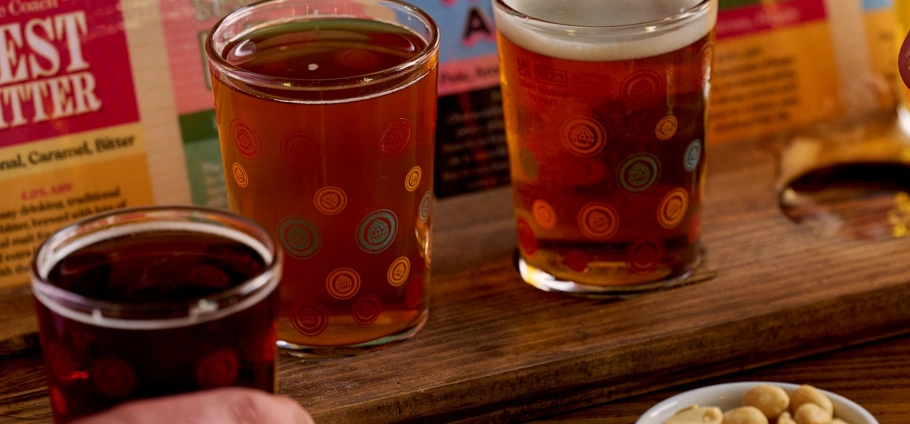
(730, 395)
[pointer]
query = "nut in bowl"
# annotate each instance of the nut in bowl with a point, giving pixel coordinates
(730, 396)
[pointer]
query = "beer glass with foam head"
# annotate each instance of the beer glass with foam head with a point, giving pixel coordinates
(605, 105)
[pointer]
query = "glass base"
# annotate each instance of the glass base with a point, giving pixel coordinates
(547, 282)
(302, 351)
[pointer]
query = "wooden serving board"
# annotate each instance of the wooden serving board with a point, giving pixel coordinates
(497, 350)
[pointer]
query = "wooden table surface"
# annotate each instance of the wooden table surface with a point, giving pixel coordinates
(770, 302)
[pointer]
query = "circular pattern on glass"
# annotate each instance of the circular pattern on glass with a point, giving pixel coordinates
(673, 208)
(376, 231)
(330, 200)
(395, 138)
(245, 140)
(240, 175)
(209, 276)
(300, 237)
(366, 309)
(301, 148)
(58, 401)
(113, 377)
(412, 180)
(644, 256)
(598, 221)
(641, 88)
(218, 369)
(529, 164)
(527, 241)
(414, 293)
(425, 204)
(398, 271)
(343, 283)
(544, 214)
(639, 172)
(309, 318)
(583, 136)
(666, 127)
(692, 155)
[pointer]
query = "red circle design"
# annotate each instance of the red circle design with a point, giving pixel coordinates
(395, 138)
(576, 260)
(526, 238)
(644, 256)
(358, 59)
(61, 362)
(245, 140)
(113, 377)
(343, 283)
(58, 400)
(367, 309)
(260, 350)
(414, 293)
(309, 318)
(301, 148)
(218, 369)
(641, 88)
(598, 221)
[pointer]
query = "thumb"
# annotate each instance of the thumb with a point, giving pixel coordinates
(223, 406)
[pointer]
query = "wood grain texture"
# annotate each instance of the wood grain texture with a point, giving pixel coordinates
(497, 350)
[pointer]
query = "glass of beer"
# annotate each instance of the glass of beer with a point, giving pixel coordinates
(605, 108)
(149, 302)
(326, 112)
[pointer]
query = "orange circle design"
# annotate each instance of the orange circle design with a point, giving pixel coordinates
(544, 214)
(330, 200)
(583, 136)
(398, 271)
(673, 208)
(598, 221)
(343, 283)
(413, 179)
(666, 127)
(240, 176)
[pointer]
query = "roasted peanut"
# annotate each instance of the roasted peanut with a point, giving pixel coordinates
(697, 415)
(810, 413)
(745, 415)
(770, 400)
(785, 418)
(808, 394)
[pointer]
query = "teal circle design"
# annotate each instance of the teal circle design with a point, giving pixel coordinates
(300, 237)
(425, 206)
(377, 231)
(639, 172)
(693, 155)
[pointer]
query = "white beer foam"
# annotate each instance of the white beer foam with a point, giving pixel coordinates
(593, 13)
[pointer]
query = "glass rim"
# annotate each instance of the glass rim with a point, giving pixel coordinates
(217, 60)
(179, 313)
(695, 11)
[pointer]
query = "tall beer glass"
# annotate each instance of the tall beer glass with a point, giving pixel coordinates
(326, 113)
(605, 108)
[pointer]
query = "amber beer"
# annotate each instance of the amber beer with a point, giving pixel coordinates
(606, 132)
(327, 124)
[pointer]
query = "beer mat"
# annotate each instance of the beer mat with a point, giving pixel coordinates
(496, 349)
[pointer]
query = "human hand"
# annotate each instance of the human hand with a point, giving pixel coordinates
(221, 406)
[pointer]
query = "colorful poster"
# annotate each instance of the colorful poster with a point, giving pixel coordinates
(71, 142)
